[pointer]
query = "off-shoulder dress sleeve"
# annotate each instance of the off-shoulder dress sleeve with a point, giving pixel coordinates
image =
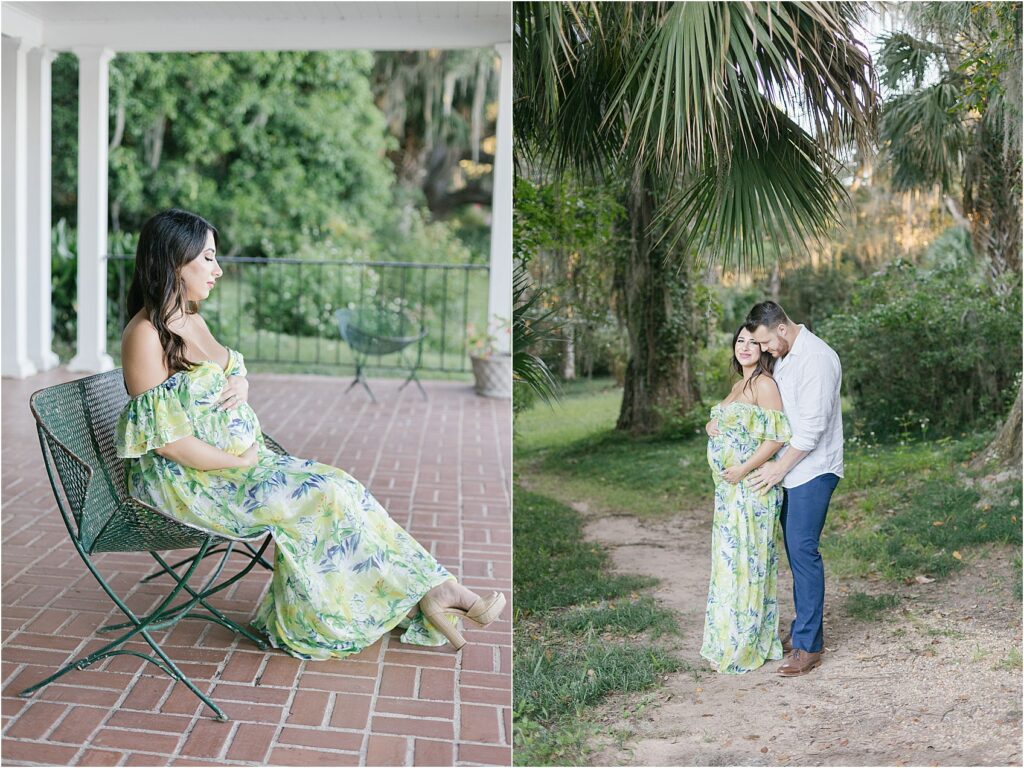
(154, 418)
(765, 424)
(236, 365)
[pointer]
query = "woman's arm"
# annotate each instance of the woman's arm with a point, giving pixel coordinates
(193, 452)
(765, 451)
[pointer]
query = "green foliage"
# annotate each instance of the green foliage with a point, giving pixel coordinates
(567, 233)
(867, 607)
(812, 295)
(530, 326)
(554, 565)
(64, 282)
(962, 129)
(302, 300)
(276, 148)
(714, 371)
(563, 741)
(287, 154)
(703, 96)
(927, 351)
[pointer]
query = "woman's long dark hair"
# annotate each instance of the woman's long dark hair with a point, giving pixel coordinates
(765, 364)
(168, 241)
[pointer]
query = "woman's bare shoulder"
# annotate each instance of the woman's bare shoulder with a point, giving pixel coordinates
(142, 356)
(766, 390)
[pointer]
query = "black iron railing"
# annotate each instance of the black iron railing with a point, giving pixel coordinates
(283, 310)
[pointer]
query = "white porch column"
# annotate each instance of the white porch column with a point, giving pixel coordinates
(14, 353)
(93, 118)
(40, 303)
(499, 300)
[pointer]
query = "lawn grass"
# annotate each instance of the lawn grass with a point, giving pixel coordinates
(572, 452)
(554, 565)
(629, 616)
(581, 633)
(556, 681)
(923, 523)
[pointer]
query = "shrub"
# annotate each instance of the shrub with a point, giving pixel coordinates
(928, 351)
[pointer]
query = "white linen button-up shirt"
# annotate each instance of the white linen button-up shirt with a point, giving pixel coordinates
(809, 378)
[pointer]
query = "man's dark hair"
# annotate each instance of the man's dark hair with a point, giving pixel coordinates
(768, 314)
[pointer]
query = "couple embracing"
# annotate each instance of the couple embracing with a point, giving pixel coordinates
(776, 454)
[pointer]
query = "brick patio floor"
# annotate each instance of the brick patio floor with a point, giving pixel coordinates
(440, 467)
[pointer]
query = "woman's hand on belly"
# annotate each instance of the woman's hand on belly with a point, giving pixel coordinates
(234, 393)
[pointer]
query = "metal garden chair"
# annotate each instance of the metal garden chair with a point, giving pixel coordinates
(76, 422)
(379, 331)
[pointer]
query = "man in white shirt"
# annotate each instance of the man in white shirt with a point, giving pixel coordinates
(808, 373)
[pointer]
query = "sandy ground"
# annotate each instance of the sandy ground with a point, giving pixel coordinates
(927, 685)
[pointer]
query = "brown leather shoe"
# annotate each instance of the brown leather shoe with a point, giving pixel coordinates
(787, 641)
(800, 662)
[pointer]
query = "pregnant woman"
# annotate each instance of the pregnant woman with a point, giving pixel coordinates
(741, 627)
(344, 572)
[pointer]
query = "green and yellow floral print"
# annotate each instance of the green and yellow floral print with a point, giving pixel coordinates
(741, 627)
(345, 573)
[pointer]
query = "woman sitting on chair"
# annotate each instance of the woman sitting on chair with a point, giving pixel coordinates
(344, 572)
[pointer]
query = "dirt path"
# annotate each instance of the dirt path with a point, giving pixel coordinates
(927, 685)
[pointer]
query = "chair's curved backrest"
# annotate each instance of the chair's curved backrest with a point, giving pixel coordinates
(378, 331)
(77, 424)
(77, 421)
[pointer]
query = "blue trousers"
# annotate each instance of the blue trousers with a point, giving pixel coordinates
(803, 516)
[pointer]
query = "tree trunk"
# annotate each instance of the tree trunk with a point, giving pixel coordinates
(660, 320)
(1005, 450)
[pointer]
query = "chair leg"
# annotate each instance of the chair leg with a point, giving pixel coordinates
(178, 564)
(415, 379)
(259, 558)
(262, 561)
(361, 379)
(139, 626)
(166, 617)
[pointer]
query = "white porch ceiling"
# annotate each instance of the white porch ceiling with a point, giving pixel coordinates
(239, 26)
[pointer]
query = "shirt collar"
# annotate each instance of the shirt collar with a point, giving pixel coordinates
(801, 340)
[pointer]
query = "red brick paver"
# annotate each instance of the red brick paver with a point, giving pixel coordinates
(440, 467)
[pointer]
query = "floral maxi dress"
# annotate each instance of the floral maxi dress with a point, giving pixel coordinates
(344, 572)
(741, 627)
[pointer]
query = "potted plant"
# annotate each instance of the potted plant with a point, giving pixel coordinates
(492, 367)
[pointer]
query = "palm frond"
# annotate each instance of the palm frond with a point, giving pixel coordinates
(530, 326)
(688, 93)
(903, 57)
(775, 191)
(924, 136)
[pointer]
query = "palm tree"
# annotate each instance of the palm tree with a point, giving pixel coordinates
(962, 132)
(729, 120)
(961, 129)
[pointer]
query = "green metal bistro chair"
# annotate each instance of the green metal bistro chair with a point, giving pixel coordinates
(76, 422)
(378, 331)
